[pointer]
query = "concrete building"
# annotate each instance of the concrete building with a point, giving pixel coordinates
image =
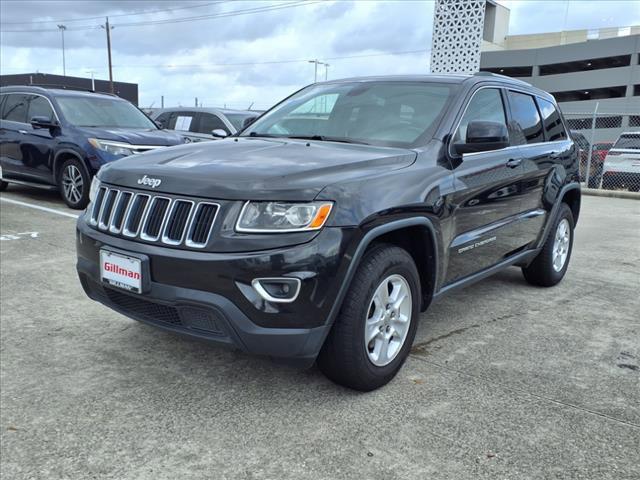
(580, 68)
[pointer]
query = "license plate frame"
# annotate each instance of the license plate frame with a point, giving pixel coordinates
(126, 271)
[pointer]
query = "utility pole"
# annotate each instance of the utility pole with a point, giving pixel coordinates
(93, 82)
(108, 29)
(64, 67)
(326, 71)
(317, 62)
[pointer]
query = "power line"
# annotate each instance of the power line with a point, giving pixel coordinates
(200, 5)
(232, 13)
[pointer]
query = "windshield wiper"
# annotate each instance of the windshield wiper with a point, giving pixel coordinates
(324, 138)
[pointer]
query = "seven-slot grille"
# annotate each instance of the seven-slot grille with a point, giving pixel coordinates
(173, 221)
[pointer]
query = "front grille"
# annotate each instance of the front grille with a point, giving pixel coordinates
(153, 218)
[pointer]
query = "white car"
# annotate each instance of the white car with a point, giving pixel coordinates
(621, 167)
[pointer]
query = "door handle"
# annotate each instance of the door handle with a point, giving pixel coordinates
(514, 162)
(24, 132)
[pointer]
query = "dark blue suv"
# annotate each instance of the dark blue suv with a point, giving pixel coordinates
(52, 138)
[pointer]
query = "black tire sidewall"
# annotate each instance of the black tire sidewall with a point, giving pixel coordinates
(86, 184)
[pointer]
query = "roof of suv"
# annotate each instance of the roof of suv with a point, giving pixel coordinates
(54, 91)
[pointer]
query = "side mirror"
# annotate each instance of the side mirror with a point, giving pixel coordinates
(248, 121)
(484, 136)
(159, 124)
(219, 133)
(43, 122)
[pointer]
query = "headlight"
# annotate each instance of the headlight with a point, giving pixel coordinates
(93, 191)
(276, 217)
(114, 148)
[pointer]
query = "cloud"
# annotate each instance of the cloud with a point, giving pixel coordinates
(323, 30)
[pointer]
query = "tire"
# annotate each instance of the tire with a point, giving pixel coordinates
(74, 183)
(346, 358)
(3, 186)
(542, 271)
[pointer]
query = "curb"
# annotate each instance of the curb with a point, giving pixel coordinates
(611, 193)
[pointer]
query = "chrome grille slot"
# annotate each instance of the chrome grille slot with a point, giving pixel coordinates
(201, 225)
(106, 209)
(119, 211)
(97, 204)
(177, 222)
(154, 218)
(135, 214)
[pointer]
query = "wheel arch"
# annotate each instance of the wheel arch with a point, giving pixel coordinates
(406, 233)
(61, 157)
(573, 197)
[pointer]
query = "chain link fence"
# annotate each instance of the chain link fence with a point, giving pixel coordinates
(609, 146)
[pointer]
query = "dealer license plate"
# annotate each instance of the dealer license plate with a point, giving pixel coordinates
(121, 271)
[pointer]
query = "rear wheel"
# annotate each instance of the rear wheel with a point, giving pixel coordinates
(74, 184)
(372, 336)
(551, 264)
(3, 185)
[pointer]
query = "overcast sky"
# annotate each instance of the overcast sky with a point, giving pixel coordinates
(223, 59)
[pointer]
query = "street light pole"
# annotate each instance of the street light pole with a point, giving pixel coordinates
(317, 62)
(64, 67)
(93, 82)
(326, 71)
(108, 29)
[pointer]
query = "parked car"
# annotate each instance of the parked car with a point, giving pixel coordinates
(201, 123)
(51, 138)
(583, 146)
(621, 167)
(326, 245)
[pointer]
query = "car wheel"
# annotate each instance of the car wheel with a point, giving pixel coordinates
(374, 331)
(551, 264)
(74, 184)
(3, 186)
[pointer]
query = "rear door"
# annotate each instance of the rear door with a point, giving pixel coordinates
(13, 124)
(487, 197)
(209, 122)
(547, 157)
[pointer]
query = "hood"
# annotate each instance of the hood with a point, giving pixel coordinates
(134, 136)
(253, 168)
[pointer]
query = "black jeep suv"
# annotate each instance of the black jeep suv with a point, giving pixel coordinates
(54, 138)
(326, 226)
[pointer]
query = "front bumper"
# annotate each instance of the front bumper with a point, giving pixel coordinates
(209, 295)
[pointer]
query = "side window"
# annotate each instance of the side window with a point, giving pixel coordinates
(209, 121)
(39, 107)
(527, 122)
(485, 105)
(182, 121)
(15, 108)
(552, 121)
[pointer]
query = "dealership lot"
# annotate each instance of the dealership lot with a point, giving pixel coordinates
(504, 380)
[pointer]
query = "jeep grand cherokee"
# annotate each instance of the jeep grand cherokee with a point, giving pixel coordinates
(323, 229)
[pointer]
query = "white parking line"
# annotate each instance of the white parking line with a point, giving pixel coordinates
(38, 207)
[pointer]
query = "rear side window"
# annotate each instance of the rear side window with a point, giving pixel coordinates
(628, 141)
(552, 121)
(209, 122)
(40, 107)
(15, 108)
(486, 105)
(528, 125)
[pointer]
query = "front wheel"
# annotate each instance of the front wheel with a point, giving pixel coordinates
(551, 264)
(3, 186)
(74, 184)
(374, 331)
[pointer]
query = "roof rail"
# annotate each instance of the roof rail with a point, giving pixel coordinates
(65, 87)
(491, 74)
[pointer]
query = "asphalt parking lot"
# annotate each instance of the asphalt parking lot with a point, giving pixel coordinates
(504, 380)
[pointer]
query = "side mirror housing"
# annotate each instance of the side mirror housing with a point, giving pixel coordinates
(43, 122)
(484, 136)
(159, 124)
(219, 133)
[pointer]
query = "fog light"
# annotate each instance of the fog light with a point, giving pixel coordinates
(278, 290)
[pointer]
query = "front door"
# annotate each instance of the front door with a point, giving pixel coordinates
(487, 195)
(38, 144)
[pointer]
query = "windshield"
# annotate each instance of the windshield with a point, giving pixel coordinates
(375, 113)
(628, 141)
(103, 112)
(236, 119)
